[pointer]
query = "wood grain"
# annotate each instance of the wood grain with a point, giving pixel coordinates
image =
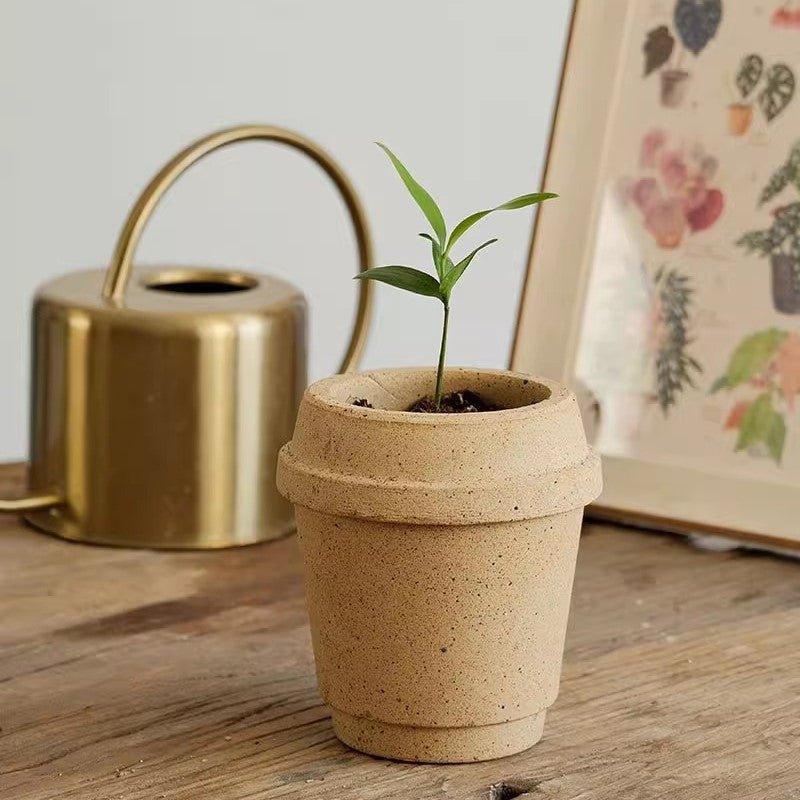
(141, 675)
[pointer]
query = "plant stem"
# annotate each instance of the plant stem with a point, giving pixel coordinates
(440, 371)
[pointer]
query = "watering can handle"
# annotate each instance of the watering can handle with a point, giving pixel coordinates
(120, 267)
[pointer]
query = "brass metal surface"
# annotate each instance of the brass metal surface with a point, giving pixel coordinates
(160, 398)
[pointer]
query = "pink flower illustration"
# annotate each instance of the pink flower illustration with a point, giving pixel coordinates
(651, 145)
(646, 194)
(673, 170)
(667, 222)
(673, 194)
(705, 214)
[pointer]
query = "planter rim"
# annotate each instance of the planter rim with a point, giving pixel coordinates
(518, 463)
(318, 394)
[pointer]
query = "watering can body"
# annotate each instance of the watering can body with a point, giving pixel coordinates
(161, 397)
(159, 423)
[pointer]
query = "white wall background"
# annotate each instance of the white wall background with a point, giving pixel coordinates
(96, 94)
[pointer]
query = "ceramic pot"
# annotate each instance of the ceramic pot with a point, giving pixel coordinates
(439, 553)
(740, 115)
(674, 83)
(785, 284)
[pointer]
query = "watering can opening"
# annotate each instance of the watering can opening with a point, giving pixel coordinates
(200, 281)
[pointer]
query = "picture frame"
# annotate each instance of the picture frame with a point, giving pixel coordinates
(664, 285)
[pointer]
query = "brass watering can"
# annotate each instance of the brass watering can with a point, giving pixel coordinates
(160, 400)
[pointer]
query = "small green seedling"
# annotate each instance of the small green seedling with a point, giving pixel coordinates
(448, 273)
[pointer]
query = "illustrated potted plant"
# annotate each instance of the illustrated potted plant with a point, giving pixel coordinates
(774, 97)
(781, 241)
(696, 23)
(438, 513)
(765, 370)
(740, 114)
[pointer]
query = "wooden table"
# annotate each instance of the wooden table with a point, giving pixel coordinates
(141, 675)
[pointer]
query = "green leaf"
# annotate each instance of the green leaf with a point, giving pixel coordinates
(421, 197)
(760, 242)
(436, 254)
(517, 202)
(452, 275)
(756, 422)
(776, 184)
(762, 423)
(719, 383)
(749, 74)
(412, 280)
(752, 356)
(776, 437)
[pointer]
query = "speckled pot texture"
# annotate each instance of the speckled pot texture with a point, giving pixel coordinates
(439, 553)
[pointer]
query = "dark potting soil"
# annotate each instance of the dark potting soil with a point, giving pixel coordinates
(462, 402)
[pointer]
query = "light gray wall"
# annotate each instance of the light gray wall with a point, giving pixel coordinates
(96, 94)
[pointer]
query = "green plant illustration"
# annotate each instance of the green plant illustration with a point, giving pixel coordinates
(788, 172)
(448, 272)
(766, 365)
(778, 92)
(783, 236)
(749, 74)
(675, 369)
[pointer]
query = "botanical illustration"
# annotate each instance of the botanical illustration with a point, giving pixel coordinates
(674, 369)
(695, 255)
(775, 95)
(780, 242)
(765, 369)
(695, 22)
(787, 15)
(674, 192)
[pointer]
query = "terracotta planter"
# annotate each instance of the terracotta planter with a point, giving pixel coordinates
(785, 284)
(439, 553)
(740, 115)
(674, 83)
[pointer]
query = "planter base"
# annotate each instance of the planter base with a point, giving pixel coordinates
(438, 745)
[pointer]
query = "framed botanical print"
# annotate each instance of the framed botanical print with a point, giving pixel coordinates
(664, 284)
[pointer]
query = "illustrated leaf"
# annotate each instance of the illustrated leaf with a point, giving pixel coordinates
(776, 437)
(778, 92)
(756, 422)
(762, 423)
(752, 356)
(719, 383)
(408, 278)
(518, 202)
(777, 183)
(785, 225)
(657, 48)
(697, 21)
(451, 277)
(421, 197)
(749, 74)
(756, 242)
